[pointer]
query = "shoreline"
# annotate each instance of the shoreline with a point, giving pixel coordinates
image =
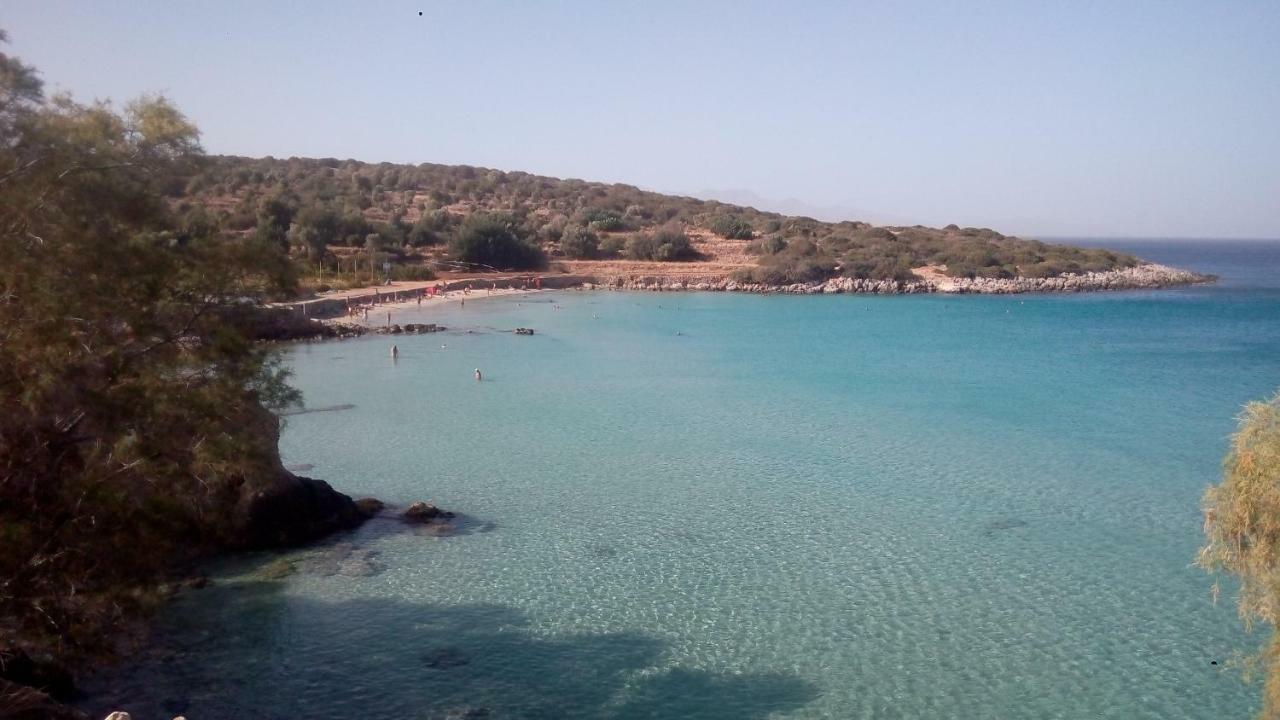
(335, 309)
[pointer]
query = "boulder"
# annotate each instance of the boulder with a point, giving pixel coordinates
(369, 506)
(420, 513)
(275, 508)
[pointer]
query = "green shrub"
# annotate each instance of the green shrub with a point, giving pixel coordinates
(666, 243)
(579, 243)
(802, 261)
(432, 228)
(491, 242)
(602, 220)
(731, 227)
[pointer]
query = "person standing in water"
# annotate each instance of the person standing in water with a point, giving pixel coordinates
(479, 377)
(395, 352)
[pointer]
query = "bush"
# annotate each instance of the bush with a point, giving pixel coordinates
(491, 241)
(612, 246)
(771, 245)
(412, 272)
(579, 243)
(666, 243)
(731, 227)
(602, 220)
(801, 262)
(432, 228)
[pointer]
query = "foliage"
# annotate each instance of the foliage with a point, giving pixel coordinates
(668, 242)
(579, 243)
(364, 195)
(612, 246)
(128, 393)
(801, 261)
(1242, 532)
(491, 241)
(731, 227)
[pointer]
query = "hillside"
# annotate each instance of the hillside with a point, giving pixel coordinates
(350, 218)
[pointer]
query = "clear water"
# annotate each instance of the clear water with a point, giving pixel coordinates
(728, 506)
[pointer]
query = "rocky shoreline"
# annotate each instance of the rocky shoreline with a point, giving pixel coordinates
(1147, 276)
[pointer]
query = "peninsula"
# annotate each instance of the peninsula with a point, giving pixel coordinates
(344, 223)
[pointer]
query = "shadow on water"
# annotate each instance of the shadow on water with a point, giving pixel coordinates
(249, 650)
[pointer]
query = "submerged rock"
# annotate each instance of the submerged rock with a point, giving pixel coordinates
(278, 569)
(444, 658)
(344, 559)
(466, 712)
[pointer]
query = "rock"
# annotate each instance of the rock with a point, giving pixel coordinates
(524, 331)
(369, 506)
(43, 675)
(278, 509)
(420, 513)
(20, 702)
(291, 511)
(277, 569)
(360, 564)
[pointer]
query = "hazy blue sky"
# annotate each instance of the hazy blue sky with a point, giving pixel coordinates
(1037, 117)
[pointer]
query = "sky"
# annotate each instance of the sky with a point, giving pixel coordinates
(1072, 118)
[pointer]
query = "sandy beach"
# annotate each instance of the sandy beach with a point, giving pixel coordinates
(378, 312)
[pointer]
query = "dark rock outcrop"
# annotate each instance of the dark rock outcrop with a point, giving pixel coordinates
(50, 678)
(23, 702)
(277, 509)
(290, 511)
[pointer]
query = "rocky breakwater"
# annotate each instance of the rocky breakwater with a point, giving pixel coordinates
(1145, 276)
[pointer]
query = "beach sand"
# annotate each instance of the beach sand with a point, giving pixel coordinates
(378, 313)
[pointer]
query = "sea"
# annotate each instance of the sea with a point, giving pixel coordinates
(730, 506)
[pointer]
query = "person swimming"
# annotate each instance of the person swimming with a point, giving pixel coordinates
(479, 377)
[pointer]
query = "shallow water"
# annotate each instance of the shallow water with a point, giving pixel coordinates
(726, 506)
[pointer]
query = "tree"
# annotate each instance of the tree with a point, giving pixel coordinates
(492, 242)
(1242, 533)
(579, 243)
(274, 218)
(130, 398)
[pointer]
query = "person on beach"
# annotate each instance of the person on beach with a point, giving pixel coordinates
(479, 377)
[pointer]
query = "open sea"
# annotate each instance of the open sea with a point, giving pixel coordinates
(736, 506)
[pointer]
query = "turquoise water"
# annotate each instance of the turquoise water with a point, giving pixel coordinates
(727, 506)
